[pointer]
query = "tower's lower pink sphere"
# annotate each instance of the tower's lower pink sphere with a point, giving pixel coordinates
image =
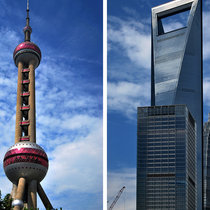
(27, 160)
(26, 52)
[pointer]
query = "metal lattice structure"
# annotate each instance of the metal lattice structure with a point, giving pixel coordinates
(116, 198)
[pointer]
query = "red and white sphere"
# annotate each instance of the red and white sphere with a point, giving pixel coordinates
(27, 160)
(26, 52)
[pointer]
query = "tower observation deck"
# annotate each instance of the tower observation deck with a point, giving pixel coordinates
(26, 163)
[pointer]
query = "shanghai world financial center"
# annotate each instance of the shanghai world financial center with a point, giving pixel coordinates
(169, 132)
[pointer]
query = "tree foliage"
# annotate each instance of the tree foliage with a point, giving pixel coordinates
(6, 202)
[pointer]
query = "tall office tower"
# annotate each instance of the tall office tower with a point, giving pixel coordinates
(166, 158)
(206, 164)
(177, 63)
(26, 163)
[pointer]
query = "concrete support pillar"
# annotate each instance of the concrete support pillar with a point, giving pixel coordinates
(44, 197)
(32, 111)
(19, 194)
(32, 195)
(14, 190)
(18, 129)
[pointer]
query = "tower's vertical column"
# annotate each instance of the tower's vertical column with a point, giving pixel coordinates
(32, 194)
(14, 190)
(32, 111)
(18, 129)
(32, 188)
(20, 194)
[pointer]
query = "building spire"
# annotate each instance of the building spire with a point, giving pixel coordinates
(27, 10)
(27, 29)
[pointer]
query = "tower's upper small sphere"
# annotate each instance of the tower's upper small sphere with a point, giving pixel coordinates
(26, 52)
(27, 28)
(27, 160)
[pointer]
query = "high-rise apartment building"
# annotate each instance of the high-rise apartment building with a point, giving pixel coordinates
(166, 158)
(177, 63)
(206, 164)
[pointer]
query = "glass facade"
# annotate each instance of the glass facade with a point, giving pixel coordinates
(177, 66)
(206, 164)
(166, 158)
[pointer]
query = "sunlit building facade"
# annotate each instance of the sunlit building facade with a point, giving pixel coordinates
(166, 158)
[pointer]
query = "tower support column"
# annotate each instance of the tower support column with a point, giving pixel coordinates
(44, 197)
(18, 203)
(32, 111)
(14, 191)
(18, 129)
(32, 194)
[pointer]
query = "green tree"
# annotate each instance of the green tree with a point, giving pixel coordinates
(6, 202)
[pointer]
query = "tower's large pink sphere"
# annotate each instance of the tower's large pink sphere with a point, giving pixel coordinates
(26, 52)
(25, 159)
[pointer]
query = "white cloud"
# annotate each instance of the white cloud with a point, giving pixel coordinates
(131, 36)
(127, 86)
(79, 121)
(116, 180)
(126, 97)
(206, 35)
(77, 165)
(206, 90)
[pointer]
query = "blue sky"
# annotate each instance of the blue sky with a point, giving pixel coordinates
(68, 95)
(129, 58)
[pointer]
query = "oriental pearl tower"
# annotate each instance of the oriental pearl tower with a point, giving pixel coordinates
(26, 163)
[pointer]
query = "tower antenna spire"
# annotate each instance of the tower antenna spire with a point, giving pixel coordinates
(27, 29)
(27, 10)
